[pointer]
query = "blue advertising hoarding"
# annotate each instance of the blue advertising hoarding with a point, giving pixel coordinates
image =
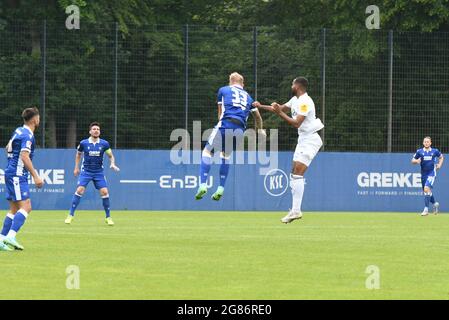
(149, 180)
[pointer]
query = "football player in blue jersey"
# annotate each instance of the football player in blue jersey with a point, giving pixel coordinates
(234, 107)
(431, 160)
(20, 150)
(92, 151)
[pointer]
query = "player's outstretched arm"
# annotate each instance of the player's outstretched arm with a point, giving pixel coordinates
(284, 107)
(25, 157)
(112, 160)
(294, 122)
(260, 106)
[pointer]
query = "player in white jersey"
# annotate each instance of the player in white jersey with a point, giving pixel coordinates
(303, 118)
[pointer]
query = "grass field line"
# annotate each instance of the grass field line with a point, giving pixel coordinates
(206, 238)
(99, 212)
(249, 227)
(295, 225)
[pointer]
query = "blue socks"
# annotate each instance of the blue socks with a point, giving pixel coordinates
(205, 167)
(432, 199)
(13, 223)
(224, 170)
(107, 206)
(17, 223)
(7, 223)
(75, 202)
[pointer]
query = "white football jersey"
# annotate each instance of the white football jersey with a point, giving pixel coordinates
(305, 106)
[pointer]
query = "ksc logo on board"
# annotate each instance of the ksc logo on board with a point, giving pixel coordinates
(276, 182)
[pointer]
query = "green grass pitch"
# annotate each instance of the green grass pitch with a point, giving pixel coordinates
(229, 255)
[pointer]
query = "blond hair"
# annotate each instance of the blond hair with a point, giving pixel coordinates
(235, 77)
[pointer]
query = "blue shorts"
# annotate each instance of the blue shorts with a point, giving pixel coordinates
(427, 181)
(225, 136)
(98, 178)
(17, 188)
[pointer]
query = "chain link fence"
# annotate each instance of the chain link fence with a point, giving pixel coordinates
(377, 91)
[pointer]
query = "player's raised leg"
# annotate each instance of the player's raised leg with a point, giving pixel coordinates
(232, 141)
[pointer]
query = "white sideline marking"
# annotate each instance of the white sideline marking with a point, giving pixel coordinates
(138, 181)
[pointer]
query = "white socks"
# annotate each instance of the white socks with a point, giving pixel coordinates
(11, 234)
(297, 186)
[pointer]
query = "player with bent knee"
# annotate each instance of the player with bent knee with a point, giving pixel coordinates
(20, 150)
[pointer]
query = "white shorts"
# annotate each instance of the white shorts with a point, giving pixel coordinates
(307, 148)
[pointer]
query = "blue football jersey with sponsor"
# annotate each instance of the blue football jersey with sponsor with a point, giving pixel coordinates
(428, 160)
(93, 154)
(21, 140)
(235, 102)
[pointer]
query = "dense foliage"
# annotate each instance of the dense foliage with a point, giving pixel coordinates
(151, 48)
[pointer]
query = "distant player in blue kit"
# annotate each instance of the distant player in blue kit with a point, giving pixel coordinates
(234, 107)
(20, 150)
(427, 157)
(92, 150)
